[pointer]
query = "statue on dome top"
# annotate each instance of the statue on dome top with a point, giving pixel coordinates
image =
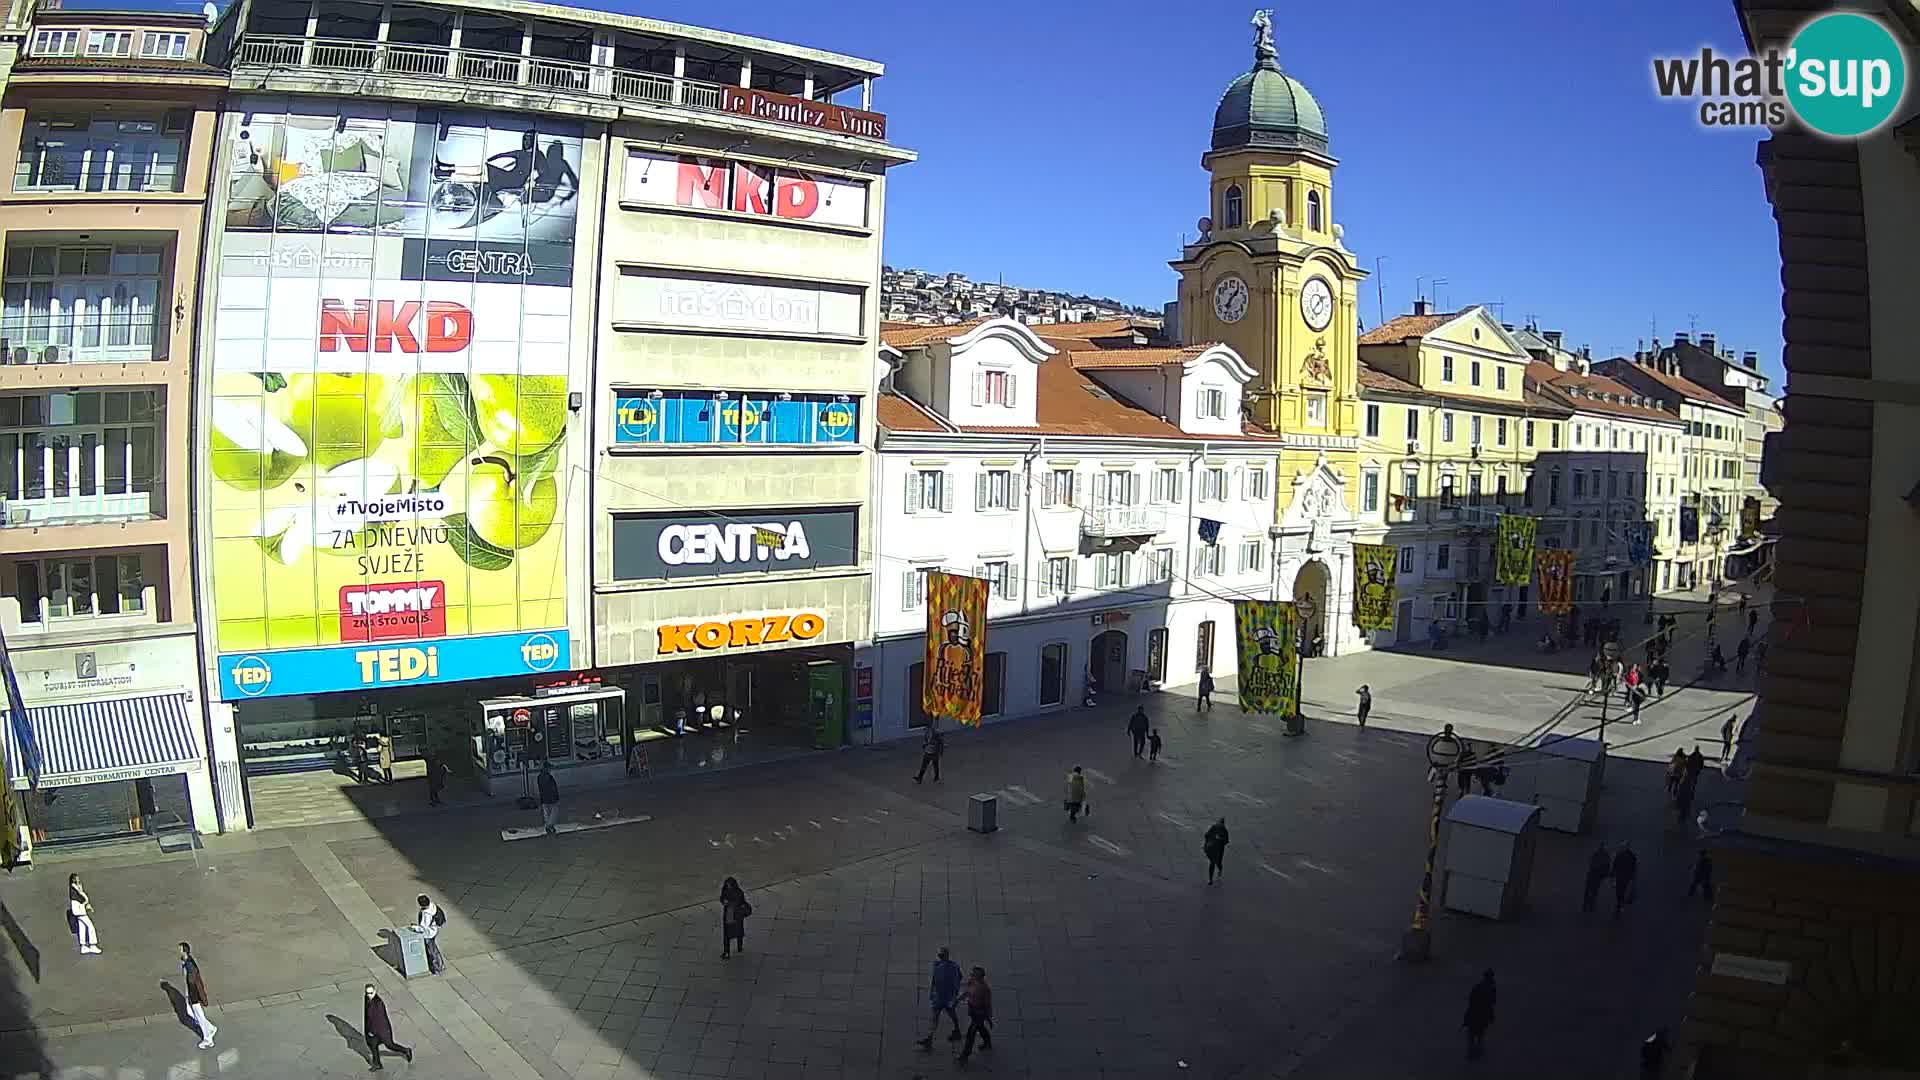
(1263, 36)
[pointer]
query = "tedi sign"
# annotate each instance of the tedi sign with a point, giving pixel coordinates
(706, 544)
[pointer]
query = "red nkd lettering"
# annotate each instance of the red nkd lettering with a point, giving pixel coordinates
(752, 189)
(702, 186)
(795, 197)
(388, 326)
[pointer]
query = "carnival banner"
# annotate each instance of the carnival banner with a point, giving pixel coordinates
(1373, 586)
(956, 647)
(1639, 542)
(1269, 656)
(1516, 549)
(1689, 525)
(1556, 580)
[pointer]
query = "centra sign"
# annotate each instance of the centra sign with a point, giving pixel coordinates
(705, 544)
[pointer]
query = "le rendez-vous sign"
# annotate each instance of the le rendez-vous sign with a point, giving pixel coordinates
(767, 105)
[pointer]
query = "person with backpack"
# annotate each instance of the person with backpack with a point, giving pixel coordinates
(429, 922)
(1215, 846)
(930, 753)
(734, 910)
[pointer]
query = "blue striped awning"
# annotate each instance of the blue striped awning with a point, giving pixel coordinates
(92, 741)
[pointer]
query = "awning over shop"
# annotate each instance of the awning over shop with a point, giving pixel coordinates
(92, 742)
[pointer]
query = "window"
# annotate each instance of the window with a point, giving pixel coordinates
(1474, 426)
(1316, 409)
(1500, 432)
(1233, 208)
(993, 685)
(1473, 373)
(1499, 377)
(996, 489)
(731, 417)
(1057, 576)
(916, 708)
(1116, 487)
(1578, 439)
(1473, 490)
(1213, 404)
(1373, 421)
(1406, 559)
(56, 42)
(1157, 654)
(1613, 438)
(1254, 483)
(70, 587)
(1208, 560)
(1167, 485)
(1001, 580)
(1413, 423)
(1409, 495)
(80, 456)
(929, 492)
(1058, 487)
(82, 304)
(1529, 433)
(1442, 556)
(1203, 648)
(1370, 492)
(1253, 556)
(913, 588)
(1554, 430)
(993, 388)
(1500, 488)
(1446, 427)
(1160, 564)
(1446, 369)
(1553, 488)
(1613, 485)
(1447, 499)
(1313, 211)
(1579, 484)
(1053, 673)
(110, 43)
(1113, 570)
(1213, 484)
(163, 46)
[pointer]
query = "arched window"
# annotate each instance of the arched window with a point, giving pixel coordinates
(1232, 208)
(1313, 211)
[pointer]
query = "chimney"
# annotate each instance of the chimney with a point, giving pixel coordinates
(1707, 342)
(1552, 336)
(1679, 339)
(1750, 358)
(1420, 307)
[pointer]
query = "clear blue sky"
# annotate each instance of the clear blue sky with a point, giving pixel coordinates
(1506, 145)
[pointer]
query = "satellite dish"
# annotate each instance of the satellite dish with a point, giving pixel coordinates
(211, 12)
(1205, 224)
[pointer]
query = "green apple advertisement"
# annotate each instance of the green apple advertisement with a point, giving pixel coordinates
(387, 434)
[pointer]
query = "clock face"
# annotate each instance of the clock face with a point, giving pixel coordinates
(1316, 303)
(1230, 299)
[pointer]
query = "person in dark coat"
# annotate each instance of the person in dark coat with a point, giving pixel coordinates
(1479, 1017)
(379, 1029)
(734, 910)
(1626, 866)
(197, 999)
(1683, 800)
(1137, 727)
(979, 1015)
(1696, 764)
(1366, 702)
(436, 778)
(1215, 846)
(1153, 745)
(943, 992)
(1599, 867)
(549, 798)
(1205, 702)
(1702, 876)
(930, 752)
(1740, 654)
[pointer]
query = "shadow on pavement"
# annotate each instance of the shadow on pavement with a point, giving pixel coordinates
(179, 1002)
(21, 1044)
(356, 1040)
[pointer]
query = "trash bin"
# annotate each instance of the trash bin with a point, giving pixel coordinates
(983, 812)
(413, 952)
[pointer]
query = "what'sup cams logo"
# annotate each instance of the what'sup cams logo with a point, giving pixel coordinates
(1843, 75)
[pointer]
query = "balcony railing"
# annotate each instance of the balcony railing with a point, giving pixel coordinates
(86, 337)
(78, 615)
(1112, 522)
(505, 69)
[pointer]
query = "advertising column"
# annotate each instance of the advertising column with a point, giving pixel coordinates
(388, 423)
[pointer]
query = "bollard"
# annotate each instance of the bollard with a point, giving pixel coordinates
(983, 812)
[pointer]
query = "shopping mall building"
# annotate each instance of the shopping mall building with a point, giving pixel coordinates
(539, 428)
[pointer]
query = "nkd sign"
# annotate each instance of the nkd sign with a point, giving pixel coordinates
(748, 541)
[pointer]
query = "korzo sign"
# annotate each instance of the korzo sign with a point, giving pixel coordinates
(747, 541)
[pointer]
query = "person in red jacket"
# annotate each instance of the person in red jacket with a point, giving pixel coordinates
(379, 1030)
(979, 1015)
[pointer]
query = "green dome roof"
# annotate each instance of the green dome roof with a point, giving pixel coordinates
(1268, 108)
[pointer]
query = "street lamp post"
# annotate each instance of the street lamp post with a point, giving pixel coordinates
(1303, 606)
(1443, 753)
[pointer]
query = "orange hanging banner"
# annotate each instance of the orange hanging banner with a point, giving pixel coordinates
(1556, 580)
(956, 665)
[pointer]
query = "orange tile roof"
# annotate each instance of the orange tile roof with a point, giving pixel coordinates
(1401, 327)
(900, 413)
(1085, 330)
(1372, 378)
(1070, 402)
(1558, 382)
(908, 335)
(1679, 384)
(1086, 359)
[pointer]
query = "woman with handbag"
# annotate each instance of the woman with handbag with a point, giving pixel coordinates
(734, 910)
(80, 916)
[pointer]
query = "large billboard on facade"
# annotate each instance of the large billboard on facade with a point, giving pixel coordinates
(387, 431)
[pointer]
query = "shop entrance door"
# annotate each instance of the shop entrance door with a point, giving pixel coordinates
(1108, 662)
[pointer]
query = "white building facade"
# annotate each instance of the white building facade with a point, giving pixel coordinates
(1111, 496)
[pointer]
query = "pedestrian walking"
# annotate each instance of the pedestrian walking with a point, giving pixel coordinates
(1676, 771)
(1702, 876)
(1595, 670)
(1696, 764)
(943, 993)
(1740, 654)
(979, 1015)
(1479, 1016)
(930, 753)
(1153, 745)
(197, 999)
(384, 747)
(80, 916)
(436, 778)
(428, 923)
(1718, 658)
(1215, 846)
(1205, 703)
(1660, 673)
(379, 1030)
(1626, 867)
(734, 910)
(1076, 801)
(1683, 801)
(1366, 702)
(1638, 697)
(1633, 681)
(1137, 727)
(1726, 738)
(1760, 656)
(549, 798)
(1599, 868)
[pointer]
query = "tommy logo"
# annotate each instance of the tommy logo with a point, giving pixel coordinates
(407, 326)
(380, 612)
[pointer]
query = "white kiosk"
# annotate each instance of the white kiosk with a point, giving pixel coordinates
(1560, 774)
(1489, 862)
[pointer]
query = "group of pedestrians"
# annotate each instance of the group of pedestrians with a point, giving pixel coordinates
(1622, 867)
(946, 992)
(1683, 777)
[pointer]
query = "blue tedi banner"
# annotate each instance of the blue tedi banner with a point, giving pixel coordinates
(1639, 542)
(17, 716)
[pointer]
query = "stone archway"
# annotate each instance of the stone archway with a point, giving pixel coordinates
(1313, 602)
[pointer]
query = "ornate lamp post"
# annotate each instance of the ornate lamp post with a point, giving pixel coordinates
(1304, 606)
(1443, 753)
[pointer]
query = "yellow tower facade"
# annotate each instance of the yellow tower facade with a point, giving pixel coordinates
(1271, 276)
